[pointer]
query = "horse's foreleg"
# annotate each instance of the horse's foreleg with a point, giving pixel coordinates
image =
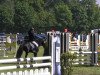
(26, 57)
(35, 54)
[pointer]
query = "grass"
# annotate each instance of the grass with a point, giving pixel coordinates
(86, 70)
(12, 53)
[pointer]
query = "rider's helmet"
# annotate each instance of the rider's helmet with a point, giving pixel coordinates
(32, 28)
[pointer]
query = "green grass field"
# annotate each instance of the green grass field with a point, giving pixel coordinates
(86, 71)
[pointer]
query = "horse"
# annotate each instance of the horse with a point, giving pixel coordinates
(29, 47)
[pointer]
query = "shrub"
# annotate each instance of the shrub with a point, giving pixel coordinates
(66, 63)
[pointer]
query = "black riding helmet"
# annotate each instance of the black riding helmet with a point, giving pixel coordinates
(32, 28)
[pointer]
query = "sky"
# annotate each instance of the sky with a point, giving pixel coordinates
(98, 2)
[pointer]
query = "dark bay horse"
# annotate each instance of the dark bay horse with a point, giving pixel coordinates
(29, 47)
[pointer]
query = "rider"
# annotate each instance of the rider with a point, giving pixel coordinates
(31, 34)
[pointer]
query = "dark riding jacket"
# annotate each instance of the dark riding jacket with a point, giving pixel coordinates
(31, 35)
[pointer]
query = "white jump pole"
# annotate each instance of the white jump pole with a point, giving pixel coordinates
(87, 41)
(3, 48)
(58, 45)
(16, 44)
(53, 56)
(78, 41)
(56, 68)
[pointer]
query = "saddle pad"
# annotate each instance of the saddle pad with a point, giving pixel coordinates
(35, 43)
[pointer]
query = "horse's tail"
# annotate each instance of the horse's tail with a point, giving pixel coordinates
(19, 51)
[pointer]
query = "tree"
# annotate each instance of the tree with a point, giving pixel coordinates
(97, 17)
(46, 18)
(38, 5)
(24, 16)
(6, 16)
(76, 15)
(63, 15)
(90, 6)
(80, 21)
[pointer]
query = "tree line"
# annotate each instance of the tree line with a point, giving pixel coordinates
(76, 15)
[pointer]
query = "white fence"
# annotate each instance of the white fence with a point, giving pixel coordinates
(42, 71)
(85, 58)
(78, 47)
(78, 43)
